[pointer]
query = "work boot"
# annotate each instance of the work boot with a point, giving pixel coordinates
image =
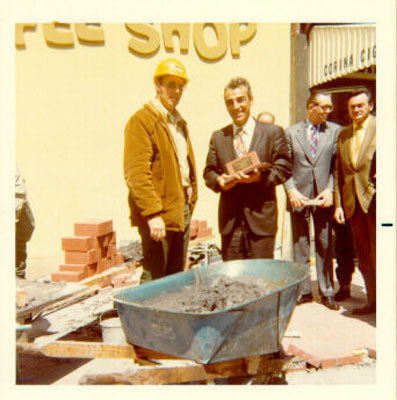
(343, 293)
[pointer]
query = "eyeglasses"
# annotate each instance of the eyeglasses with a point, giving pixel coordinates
(325, 108)
(173, 86)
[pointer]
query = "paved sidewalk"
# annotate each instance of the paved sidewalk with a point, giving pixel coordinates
(329, 338)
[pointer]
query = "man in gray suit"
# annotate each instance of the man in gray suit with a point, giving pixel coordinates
(312, 146)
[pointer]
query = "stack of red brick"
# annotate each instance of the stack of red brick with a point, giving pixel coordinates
(91, 251)
(199, 229)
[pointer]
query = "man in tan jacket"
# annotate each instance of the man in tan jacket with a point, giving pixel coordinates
(160, 173)
(355, 187)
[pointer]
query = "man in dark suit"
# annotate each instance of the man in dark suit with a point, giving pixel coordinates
(247, 212)
(355, 190)
(312, 146)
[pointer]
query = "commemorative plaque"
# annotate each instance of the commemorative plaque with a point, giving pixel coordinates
(244, 164)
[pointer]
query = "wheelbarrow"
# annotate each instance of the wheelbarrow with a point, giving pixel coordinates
(253, 328)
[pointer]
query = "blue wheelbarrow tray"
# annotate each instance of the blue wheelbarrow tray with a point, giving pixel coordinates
(252, 328)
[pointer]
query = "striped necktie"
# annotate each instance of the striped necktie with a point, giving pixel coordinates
(241, 148)
(313, 140)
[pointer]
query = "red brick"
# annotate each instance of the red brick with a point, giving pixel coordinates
(93, 227)
(103, 265)
(92, 269)
(296, 351)
(312, 361)
(202, 226)
(328, 362)
(78, 243)
(111, 251)
(201, 234)
(68, 276)
(293, 350)
(118, 259)
(77, 257)
(349, 360)
(105, 240)
(193, 232)
(74, 267)
(194, 224)
(127, 279)
(111, 262)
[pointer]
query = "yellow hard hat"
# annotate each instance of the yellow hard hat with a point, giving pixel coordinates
(172, 67)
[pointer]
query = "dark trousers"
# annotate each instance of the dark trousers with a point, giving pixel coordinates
(364, 234)
(242, 244)
(300, 222)
(166, 257)
(344, 252)
(23, 232)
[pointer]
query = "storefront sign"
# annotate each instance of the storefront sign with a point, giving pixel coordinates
(340, 50)
(146, 40)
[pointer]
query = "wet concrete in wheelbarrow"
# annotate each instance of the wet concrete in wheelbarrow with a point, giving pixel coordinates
(213, 294)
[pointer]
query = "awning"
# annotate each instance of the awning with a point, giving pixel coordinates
(338, 50)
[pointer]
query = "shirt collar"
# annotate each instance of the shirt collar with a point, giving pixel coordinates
(173, 118)
(318, 128)
(248, 127)
(363, 124)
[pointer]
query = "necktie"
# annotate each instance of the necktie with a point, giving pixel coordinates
(313, 140)
(241, 148)
(358, 138)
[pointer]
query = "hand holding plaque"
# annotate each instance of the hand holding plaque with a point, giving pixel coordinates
(246, 164)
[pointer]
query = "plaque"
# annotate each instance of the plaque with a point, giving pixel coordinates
(244, 164)
(313, 202)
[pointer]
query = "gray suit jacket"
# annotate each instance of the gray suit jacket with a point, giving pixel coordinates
(311, 176)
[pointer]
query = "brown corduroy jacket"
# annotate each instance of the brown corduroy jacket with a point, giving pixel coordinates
(353, 180)
(151, 170)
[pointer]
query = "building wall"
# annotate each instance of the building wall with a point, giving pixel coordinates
(72, 105)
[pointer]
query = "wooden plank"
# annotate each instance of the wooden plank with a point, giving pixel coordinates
(88, 292)
(71, 349)
(155, 372)
(61, 301)
(74, 349)
(190, 373)
(78, 349)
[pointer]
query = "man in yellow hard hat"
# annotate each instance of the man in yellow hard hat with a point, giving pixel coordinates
(160, 173)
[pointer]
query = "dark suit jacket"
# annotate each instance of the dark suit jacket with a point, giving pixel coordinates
(256, 202)
(353, 180)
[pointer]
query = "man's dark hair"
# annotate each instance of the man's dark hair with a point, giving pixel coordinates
(236, 82)
(313, 98)
(361, 90)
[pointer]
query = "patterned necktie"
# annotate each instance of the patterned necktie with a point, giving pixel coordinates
(241, 148)
(313, 140)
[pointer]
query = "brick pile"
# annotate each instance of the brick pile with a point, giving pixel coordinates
(90, 251)
(199, 229)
